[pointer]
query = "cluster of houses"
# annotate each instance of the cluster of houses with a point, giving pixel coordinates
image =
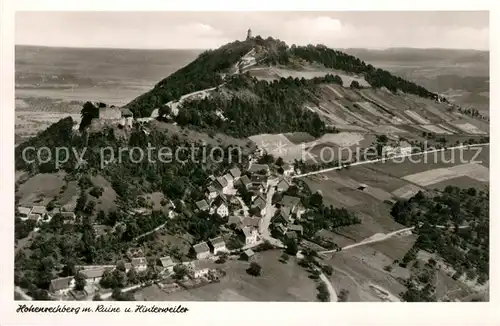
(402, 148)
(40, 214)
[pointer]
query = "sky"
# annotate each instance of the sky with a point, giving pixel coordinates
(202, 30)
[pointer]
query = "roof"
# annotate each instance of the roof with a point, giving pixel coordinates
(222, 181)
(201, 247)
(94, 272)
(404, 144)
(202, 205)
(290, 201)
(258, 167)
(244, 180)
(283, 181)
(61, 283)
(127, 113)
(285, 212)
(217, 241)
(39, 210)
(287, 166)
(139, 261)
(235, 172)
(251, 221)
(234, 219)
(246, 231)
(228, 177)
(211, 189)
(249, 252)
(258, 178)
(24, 210)
(35, 217)
(259, 202)
(296, 227)
(68, 215)
(167, 261)
(281, 227)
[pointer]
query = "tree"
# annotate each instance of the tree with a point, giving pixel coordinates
(180, 271)
(80, 282)
(291, 246)
(343, 295)
(355, 85)
(132, 276)
(97, 297)
(279, 161)
(254, 269)
(284, 257)
(327, 269)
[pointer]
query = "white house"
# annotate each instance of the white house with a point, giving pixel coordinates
(222, 210)
(202, 250)
(62, 285)
(235, 173)
(218, 244)
(201, 269)
(24, 212)
(167, 263)
(251, 235)
(211, 193)
(287, 169)
(405, 148)
(140, 264)
(260, 203)
(222, 184)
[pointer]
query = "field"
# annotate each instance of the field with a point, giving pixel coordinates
(40, 189)
(430, 177)
(421, 163)
(277, 282)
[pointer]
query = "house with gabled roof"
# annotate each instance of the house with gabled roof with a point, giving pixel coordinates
(296, 228)
(287, 169)
(202, 205)
(94, 275)
(235, 173)
(260, 203)
(259, 168)
(167, 263)
(284, 215)
(283, 185)
(244, 180)
(252, 222)
(221, 183)
(251, 235)
(218, 244)
(62, 285)
(235, 220)
(23, 213)
(40, 210)
(248, 254)
(211, 193)
(202, 250)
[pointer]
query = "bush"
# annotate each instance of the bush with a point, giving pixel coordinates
(254, 269)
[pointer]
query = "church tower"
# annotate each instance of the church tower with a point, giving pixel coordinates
(249, 34)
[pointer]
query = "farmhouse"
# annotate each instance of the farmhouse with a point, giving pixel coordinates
(40, 210)
(218, 244)
(235, 173)
(260, 203)
(243, 180)
(35, 217)
(220, 206)
(62, 285)
(284, 215)
(259, 168)
(140, 264)
(250, 234)
(222, 184)
(24, 212)
(211, 193)
(404, 148)
(248, 254)
(167, 263)
(234, 220)
(201, 269)
(202, 250)
(94, 275)
(287, 169)
(229, 178)
(260, 180)
(297, 228)
(283, 185)
(202, 205)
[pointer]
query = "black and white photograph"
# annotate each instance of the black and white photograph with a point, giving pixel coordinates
(250, 156)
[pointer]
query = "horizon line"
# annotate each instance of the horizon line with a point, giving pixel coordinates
(204, 49)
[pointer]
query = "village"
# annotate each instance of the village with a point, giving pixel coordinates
(243, 200)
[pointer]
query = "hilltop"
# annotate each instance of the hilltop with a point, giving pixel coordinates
(209, 69)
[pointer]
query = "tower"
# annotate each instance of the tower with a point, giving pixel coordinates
(249, 34)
